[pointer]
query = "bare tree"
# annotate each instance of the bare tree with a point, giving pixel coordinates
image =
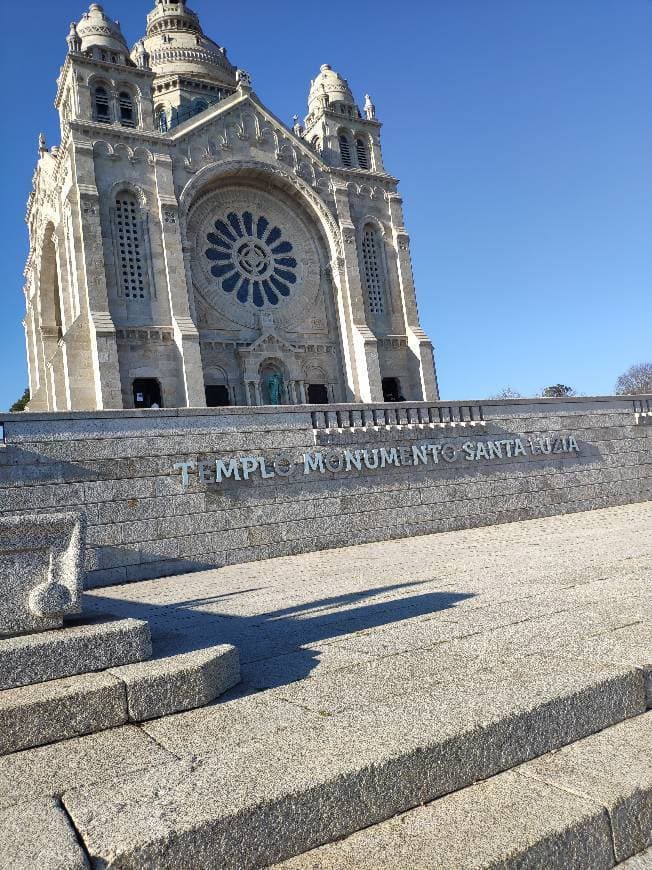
(635, 381)
(507, 393)
(558, 391)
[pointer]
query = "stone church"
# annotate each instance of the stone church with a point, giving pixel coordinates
(188, 249)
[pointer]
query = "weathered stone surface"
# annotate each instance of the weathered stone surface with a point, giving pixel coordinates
(60, 709)
(614, 769)
(504, 822)
(51, 770)
(265, 800)
(183, 682)
(41, 570)
(642, 861)
(39, 835)
(77, 649)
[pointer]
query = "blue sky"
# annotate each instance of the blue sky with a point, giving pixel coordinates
(521, 131)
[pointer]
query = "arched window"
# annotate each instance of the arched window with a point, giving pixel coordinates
(345, 150)
(373, 273)
(363, 154)
(161, 119)
(130, 243)
(126, 108)
(102, 106)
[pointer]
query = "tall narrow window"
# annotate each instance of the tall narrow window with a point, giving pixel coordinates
(102, 108)
(131, 247)
(126, 106)
(161, 119)
(345, 151)
(363, 154)
(373, 271)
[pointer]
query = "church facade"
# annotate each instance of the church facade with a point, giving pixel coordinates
(188, 249)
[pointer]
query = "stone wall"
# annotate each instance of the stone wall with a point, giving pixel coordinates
(119, 469)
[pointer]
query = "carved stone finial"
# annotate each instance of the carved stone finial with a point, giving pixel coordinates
(369, 108)
(142, 55)
(297, 128)
(42, 145)
(73, 39)
(243, 80)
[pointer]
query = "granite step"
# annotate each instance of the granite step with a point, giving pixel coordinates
(36, 715)
(588, 805)
(266, 792)
(77, 649)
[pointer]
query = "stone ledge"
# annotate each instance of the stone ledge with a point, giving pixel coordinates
(59, 710)
(587, 805)
(97, 646)
(269, 799)
(39, 834)
(164, 686)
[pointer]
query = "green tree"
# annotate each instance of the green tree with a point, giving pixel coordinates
(558, 391)
(21, 404)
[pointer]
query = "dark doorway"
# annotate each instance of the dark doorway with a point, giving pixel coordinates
(147, 393)
(217, 396)
(317, 394)
(392, 390)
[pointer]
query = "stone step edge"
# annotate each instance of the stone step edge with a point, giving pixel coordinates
(258, 805)
(548, 807)
(37, 715)
(90, 647)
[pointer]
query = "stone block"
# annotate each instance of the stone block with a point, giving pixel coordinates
(41, 571)
(96, 646)
(504, 822)
(642, 861)
(164, 686)
(613, 769)
(39, 835)
(267, 800)
(53, 769)
(58, 710)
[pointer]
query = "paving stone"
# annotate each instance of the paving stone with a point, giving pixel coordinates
(503, 822)
(614, 769)
(94, 646)
(642, 861)
(51, 770)
(60, 709)
(170, 685)
(233, 723)
(39, 835)
(260, 803)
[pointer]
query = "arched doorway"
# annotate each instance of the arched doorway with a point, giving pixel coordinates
(317, 394)
(274, 383)
(217, 396)
(392, 390)
(147, 393)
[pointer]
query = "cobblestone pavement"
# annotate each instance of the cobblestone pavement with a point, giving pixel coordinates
(552, 580)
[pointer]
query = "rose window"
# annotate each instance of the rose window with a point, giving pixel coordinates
(251, 259)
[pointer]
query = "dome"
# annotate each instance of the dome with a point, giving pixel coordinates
(331, 84)
(177, 45)
(96, 28)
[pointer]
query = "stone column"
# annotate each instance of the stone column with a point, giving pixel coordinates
(366, 380)
(302, 393)
(94, 296)
(418, 341)
(186, 335)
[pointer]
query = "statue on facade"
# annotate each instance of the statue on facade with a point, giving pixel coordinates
(275, 389)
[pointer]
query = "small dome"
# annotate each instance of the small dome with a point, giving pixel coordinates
(96, 28)
(177, 44)
(331, 84)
